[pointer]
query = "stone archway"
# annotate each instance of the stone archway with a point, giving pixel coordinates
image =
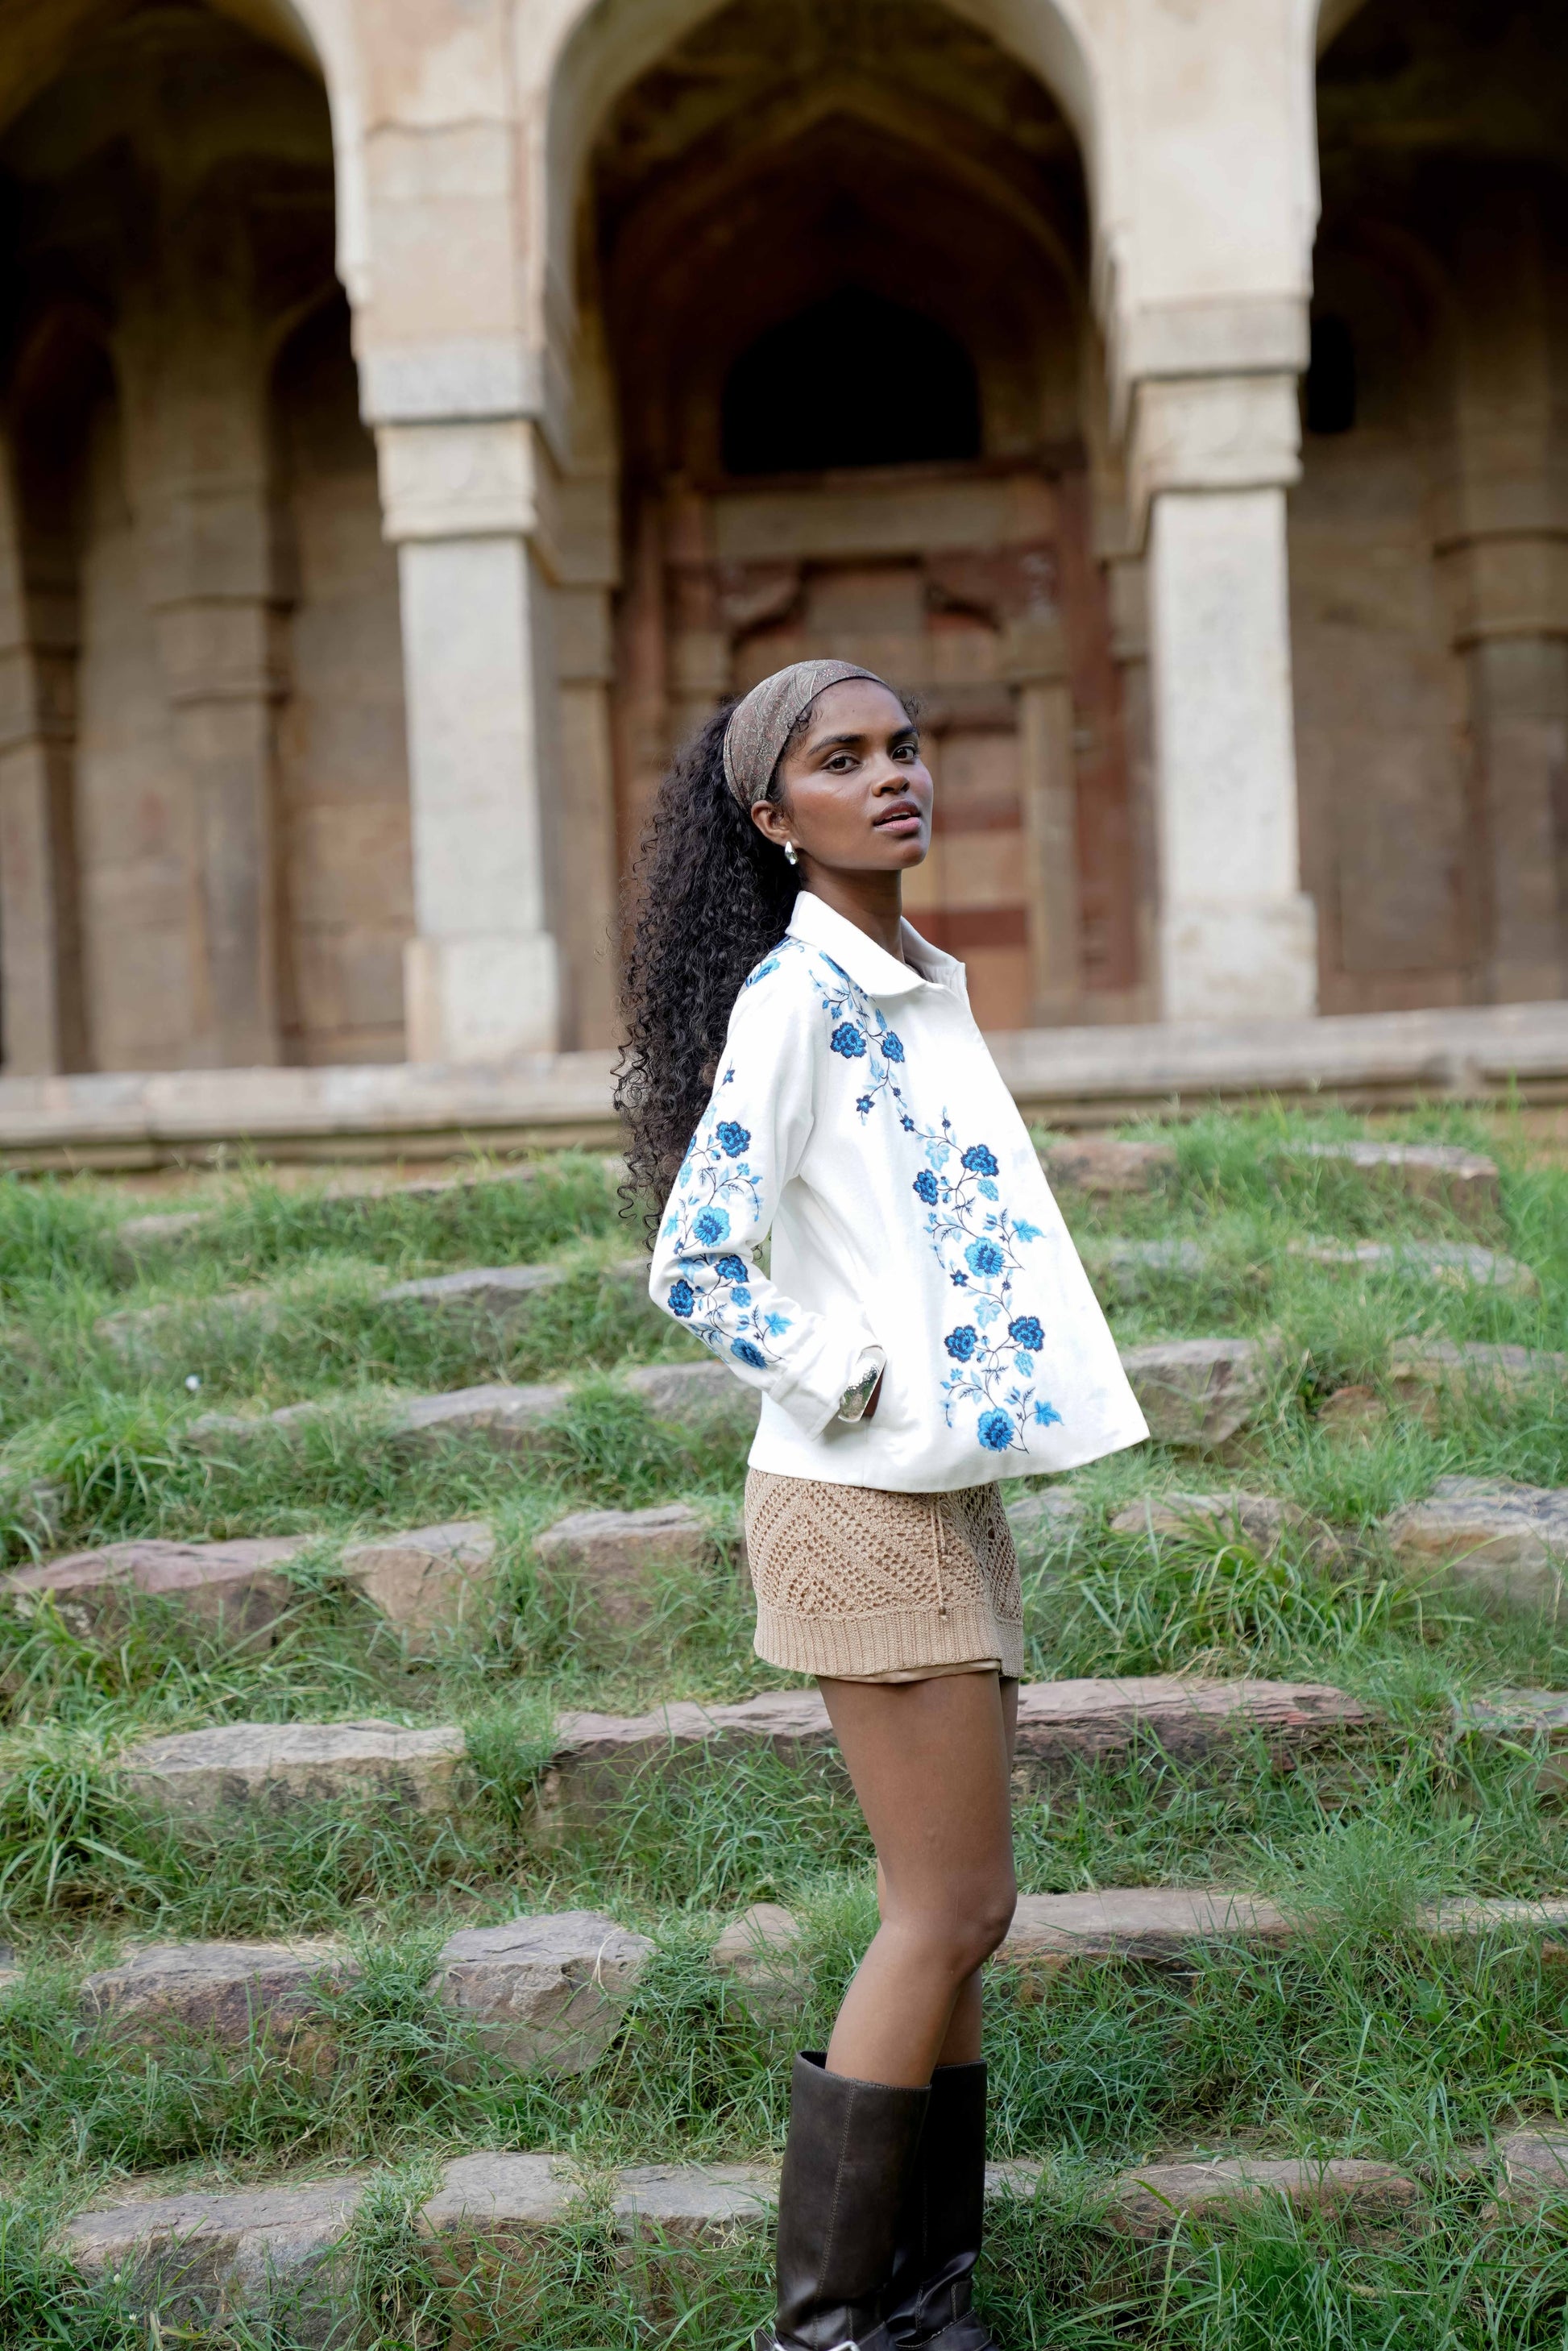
(1430, 603)
(768, 165)
(193, 587)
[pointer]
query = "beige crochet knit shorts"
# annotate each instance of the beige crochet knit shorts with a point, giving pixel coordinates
(866, 1585)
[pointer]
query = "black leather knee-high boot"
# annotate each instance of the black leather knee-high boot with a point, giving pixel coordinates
(942, 2223)
(846, 2170)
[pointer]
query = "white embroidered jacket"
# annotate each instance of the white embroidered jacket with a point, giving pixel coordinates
(858, 1119)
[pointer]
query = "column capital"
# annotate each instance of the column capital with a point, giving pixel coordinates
(1204, 432)
(464, 477)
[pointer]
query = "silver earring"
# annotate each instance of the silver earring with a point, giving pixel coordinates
(789, 852)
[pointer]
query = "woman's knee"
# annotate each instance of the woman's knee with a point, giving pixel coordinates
(961, 1933)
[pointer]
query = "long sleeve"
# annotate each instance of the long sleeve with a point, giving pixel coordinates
(748, 1147)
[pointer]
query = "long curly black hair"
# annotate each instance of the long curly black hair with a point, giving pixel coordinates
(710, 895)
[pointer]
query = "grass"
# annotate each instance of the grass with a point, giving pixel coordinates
(1363, 2036)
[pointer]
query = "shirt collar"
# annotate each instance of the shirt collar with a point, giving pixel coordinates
(869, 966)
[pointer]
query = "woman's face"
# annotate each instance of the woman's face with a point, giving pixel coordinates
(857, 793)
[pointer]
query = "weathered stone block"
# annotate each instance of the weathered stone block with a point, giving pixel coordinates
(1100, 1167)
(140, 1239)
(1159, 1923)
(274, 1766)
(277, 2252)
(760, 1952)
(1504, 1541)
(1200, 1393)
(511, 1419)
(696, 1396)
(618, 1556)
(499, 1292)
(429, 1583)
(1461, 1265)
(1124, 1271)
(136, 1332)
(1263, 1521)
(1525, 1718)
(234, 1587)
(225, 1991)
(599, 1756)
(1534, 2168)
(1464, 1181)
(1063, 1724)
(1050, 1516)
(693, 2204)
(546, 1994)
(1148, 2204)
(1354, 1414)
(1422, 1374)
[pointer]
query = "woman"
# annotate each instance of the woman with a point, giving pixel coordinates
(804, 1067)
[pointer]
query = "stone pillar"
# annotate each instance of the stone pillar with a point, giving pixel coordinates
(1506, 557)
(1034, 660)
(194, 371)
(1211, 458)
(472, 505)
(41, 1005)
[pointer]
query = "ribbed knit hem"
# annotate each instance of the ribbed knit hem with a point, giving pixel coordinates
(898, 1641)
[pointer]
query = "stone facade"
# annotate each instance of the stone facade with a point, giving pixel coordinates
(416, 414)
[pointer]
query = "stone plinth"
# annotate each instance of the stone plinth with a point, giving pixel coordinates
(1198, 1393)
(546, 1993)
(618, 1557)
(275, 1767)
(234, 1588)
(1504, 1541)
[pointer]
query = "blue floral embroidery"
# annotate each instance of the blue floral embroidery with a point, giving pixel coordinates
(976, 1243)
(713, 1292)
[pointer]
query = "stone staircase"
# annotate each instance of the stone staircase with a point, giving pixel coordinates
(547, 1992)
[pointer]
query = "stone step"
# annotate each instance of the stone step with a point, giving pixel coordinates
(224, 1992)
(1148, 2205)
(1460, 1265)
(545, 1992)
(286, 2253)
(272, 1767)
(1262, 1520)
(1465, 1182)
(1504, 1541)
(1530, 1719)
(1102, 1167)
(1198, 1394)
(427, 1580)
(1161, 1925)
(502, 1293)
(513, 1419)
(140, 1241)
(492, 1300)
(599, 1758)
(617, 1558)
(1422, 1374)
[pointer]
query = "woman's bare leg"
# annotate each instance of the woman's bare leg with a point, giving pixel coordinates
(931, 1764)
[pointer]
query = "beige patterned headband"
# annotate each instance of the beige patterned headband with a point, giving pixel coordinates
(759, 726)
